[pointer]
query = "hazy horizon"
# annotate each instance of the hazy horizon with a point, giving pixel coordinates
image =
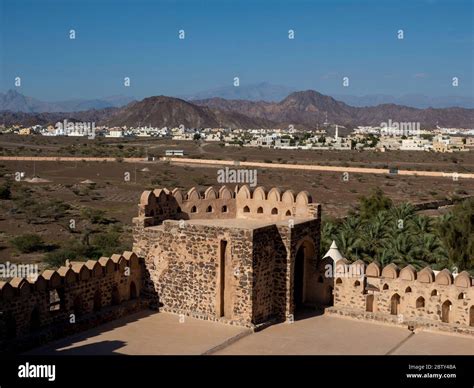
(140, 40)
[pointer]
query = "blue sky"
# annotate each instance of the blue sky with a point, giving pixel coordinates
(225, 39)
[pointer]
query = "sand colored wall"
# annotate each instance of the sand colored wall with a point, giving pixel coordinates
(89, 293)
(183, 258)
(418, 297)
(224, 203)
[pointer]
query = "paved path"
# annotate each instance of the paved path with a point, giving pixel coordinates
(161, 333)
(234, 164)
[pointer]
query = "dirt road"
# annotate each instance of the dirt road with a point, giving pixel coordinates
(215, 162)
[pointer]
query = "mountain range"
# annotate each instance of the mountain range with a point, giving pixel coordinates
(306, 109)
(310, 108)
(17, 102)
(265, 91)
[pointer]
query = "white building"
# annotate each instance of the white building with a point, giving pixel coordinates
(415, 144)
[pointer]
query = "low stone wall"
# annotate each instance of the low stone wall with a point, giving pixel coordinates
(71, 299)
(409, 323)
(438, 300)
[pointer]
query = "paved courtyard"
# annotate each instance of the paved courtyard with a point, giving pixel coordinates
(161, 333)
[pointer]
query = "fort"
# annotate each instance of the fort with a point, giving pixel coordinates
(232, 255)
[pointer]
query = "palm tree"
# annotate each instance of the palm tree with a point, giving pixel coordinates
(421, 224)
(349, 244)
(373, 238)
(400, 249)
(429, 251)
(404, 212)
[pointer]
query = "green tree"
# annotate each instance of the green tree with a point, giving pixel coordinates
(371, 205)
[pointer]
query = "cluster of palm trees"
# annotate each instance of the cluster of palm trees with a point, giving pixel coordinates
(380, 231)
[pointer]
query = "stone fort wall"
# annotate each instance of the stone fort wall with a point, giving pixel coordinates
(225, 203)
(185, 259)
(436, 300)
(68, 300)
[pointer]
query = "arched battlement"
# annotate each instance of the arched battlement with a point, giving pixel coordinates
(421, 295)
(259, 194)
(94, 268)
(21, 286)
(7, 291)
(373, 269)
(53, 278)
(426, 275)
(408, 273)
(67, 274)
(107, 264)
(444, 278)
(39, 284)
(210, 193)
(224, 202)
(82, 288)
(463, 280)
(390, 271)
(119, 261)
(81, 270)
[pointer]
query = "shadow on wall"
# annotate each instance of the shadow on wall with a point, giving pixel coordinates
(149, 291)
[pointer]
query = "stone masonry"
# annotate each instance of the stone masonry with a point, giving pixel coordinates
(73, 298)
(229, 254)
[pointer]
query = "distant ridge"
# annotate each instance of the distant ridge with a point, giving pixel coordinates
(306, 109)
(17, 102)
(309, 108)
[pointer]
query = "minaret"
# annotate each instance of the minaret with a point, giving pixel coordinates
(337, 133)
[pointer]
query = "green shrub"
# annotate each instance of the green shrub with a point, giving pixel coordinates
(28, 243)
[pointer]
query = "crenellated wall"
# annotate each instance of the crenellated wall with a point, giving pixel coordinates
(71, 299)
(224, 203)
(425, 298)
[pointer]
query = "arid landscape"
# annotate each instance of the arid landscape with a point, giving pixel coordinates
(101, 198)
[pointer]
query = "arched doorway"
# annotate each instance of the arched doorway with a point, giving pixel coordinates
(303, 292)
(369, 303)
(446, 311)
(133, 291)
(395, 304)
